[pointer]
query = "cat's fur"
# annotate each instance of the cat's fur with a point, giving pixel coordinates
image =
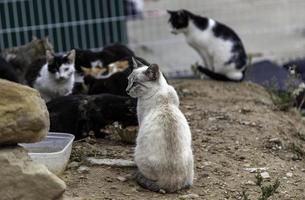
(55, 77)
(7, 71)
(163, 151)
(80, 114)
(22, 57)
(104, 72)
(218, 45)
(97, 59)
(109, 54)
(114, 84)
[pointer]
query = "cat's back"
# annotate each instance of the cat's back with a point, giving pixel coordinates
(34, 71)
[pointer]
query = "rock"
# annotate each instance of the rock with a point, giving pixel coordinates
(121, 178)
(250, 183)
(83, 169)
(189, 196)
(289, 174)
(265, 175)
(21, 178)
(254, 169)
(73, 165)
(24, 115)
(112, 162)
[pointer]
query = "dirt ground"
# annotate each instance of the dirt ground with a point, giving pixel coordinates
(234, 126)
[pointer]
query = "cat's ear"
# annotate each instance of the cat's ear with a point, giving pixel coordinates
(153, 72)
(34, 38)
(135, 63)
(71, 56)
(170, 12)
(49, 57)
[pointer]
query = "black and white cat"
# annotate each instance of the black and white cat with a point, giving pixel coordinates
(218, 45)
(55, 77)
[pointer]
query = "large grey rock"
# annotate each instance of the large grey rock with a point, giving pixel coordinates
(24, 115)
(23, 179)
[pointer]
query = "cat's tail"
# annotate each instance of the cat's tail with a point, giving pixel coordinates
(213, 75)
(146, 183)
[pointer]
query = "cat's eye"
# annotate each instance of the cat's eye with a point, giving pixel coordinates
(66, 69)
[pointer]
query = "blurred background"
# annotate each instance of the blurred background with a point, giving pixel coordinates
(274, 29)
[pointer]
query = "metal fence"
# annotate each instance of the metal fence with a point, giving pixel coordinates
(68, 23)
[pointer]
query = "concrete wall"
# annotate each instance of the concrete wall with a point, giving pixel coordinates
(275, 28)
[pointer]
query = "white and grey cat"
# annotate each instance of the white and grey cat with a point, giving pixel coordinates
(163, 152)
(218, 45)
(55, 77)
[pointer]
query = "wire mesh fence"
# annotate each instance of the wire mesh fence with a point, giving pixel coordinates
(273, 28)
(68, 23)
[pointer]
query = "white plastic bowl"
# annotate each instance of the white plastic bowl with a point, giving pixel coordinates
(53, 151)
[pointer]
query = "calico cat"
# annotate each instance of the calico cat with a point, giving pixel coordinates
(163, 152)
(97, 59)
(218, 45)
(110, 54)
(55, 77)
(7, 71)
(24, 56)
(104, 72)
(114, 84)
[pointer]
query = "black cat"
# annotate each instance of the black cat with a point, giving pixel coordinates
(7, 71)
(79, 114)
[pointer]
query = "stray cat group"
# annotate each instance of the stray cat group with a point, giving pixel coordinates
(85, 90)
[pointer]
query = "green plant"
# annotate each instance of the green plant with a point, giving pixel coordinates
(283, 100)
(297, 150)
(266, 190)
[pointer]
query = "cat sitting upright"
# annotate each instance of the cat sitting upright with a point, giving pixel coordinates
(218, 45)
(163, 152)
(22, 57)
(55, 77)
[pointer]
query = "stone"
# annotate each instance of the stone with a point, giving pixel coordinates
(73, 165)
(256, 169)
(83, 169)
(21, 178)
(250, 183)
(121, 178)
(289, 174)
(24, 115)
(189, 196)
(112, 162)
(265, 175)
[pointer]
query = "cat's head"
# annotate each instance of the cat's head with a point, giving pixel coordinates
(41, 45)
(179, 20)
(61, 67)
(143, 79)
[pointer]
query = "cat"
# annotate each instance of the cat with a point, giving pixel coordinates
(163, 152)
(7, 71)
(22, 57)
(104, 72)
(55, 77)
(109, 54)
(296, 67)
(114, 84)
(80, 114)
(97, 59)
(219, 46)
